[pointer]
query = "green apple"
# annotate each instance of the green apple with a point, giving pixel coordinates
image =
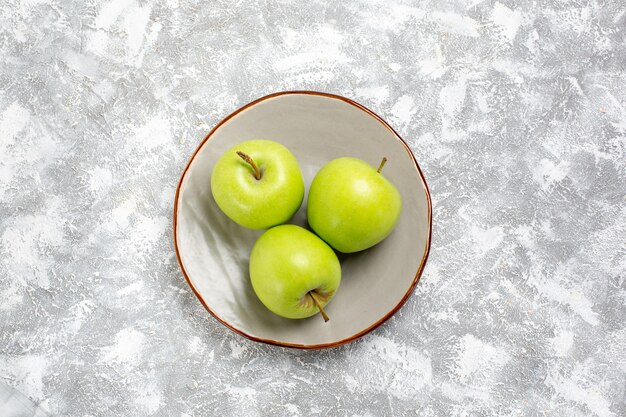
(293, 272)
(351, 205)
(258, 184)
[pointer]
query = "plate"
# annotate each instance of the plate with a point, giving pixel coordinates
(213, 251)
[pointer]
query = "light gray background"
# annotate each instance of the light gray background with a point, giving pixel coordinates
(515, 110)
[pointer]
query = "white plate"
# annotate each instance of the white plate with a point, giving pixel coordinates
(213, 251)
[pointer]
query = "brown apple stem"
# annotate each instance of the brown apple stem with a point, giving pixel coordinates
(249, 160)
(382, 164)
(319, 305)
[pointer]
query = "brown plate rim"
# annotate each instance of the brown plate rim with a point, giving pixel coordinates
(419, 270)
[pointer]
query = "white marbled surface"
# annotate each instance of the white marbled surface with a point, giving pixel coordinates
(516, 111)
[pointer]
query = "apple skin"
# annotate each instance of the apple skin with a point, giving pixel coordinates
(263, 203)
(286, 263)
(351, 205)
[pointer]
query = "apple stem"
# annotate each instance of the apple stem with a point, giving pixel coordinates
(248, 159)
(382, 164)
(319, 306)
